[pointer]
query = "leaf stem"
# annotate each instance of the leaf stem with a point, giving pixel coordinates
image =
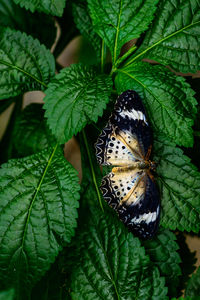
(113, 71)
(122, 58)
(92, 169)
(102, 55)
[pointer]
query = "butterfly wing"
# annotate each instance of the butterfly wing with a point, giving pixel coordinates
(126, 142)
(127, 136)
(133, 194)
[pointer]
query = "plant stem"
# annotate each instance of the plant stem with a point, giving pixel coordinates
(102, 55)
(122, 58)
(92, 169)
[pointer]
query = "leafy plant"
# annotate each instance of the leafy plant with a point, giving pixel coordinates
(58, 238)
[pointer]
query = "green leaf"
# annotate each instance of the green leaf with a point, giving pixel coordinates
(174, 36)
(38, 211)
(31, 134)
(52, 286)
(193, 286)
(84, 24)
(74, 98)
(162, 250)
(7, 295)
(118, 22)
(112, 264)
(53, 7)
(179, 183)
(37, 24)
(24, 64)
(168, 99)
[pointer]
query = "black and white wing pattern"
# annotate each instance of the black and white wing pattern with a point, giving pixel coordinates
(126, 143)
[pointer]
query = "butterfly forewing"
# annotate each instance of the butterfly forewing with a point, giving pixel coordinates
(115, 147)
(129, 116)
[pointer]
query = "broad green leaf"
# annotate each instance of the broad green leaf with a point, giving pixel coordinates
(162, 250)
(118, 22)
(52, 286)
(168, 99)
(38, 25)
(112, 264)
(24, 64)
(31, 134)
(174, 36)
(193, 286)
(74, 98)
(84, 24)
(38, 211)
(53, 7)
(179, 183)
(7, 295)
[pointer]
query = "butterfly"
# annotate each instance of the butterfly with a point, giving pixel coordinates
(125, 143)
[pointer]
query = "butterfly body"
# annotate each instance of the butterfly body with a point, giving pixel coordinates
(125, 143)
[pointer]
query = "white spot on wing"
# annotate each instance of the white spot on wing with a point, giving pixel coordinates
(147, 218)
(134, 114)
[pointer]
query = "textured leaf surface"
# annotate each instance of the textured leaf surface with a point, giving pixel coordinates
(162, 250)
(113, 264)
(174, 36)
(120, 21)
(193, 286)
(24, 64)
(7, 295)
(38, 211)
(179, 183)
(74, 98)
(53, 7)
(38, 25)
(53, 285)
(31, 134)
(84, 24)
(168, 99)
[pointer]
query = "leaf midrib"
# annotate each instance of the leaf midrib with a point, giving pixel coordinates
(117, 33)
(23, 71)
(159, 42)
(35, 195)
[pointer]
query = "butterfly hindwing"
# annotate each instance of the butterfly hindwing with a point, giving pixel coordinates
(118, 185)
(134, 195)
